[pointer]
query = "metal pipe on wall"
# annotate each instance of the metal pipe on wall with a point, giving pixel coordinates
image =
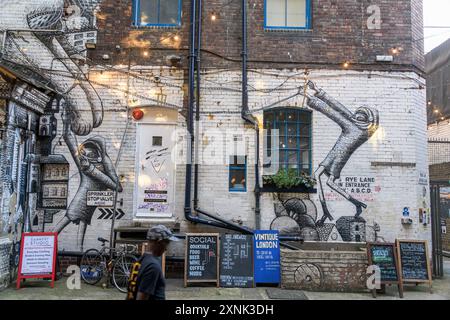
(197, 111)
(194, 74)
(245, 113)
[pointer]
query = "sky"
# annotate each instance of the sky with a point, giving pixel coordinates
(436, 13)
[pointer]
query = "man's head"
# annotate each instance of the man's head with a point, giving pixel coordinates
(159, 238)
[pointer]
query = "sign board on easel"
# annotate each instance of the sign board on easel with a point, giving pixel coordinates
(384, 256)
(38, 256)
(202, 258)
(414, 261)
(267, 257)
(236, 261)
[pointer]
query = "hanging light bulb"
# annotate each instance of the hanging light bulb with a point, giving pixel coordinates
(176, 38)
(346, 65)
(213, 17)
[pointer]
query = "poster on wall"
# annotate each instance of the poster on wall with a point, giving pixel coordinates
(267, 256)
(37, 257)
(155, 186)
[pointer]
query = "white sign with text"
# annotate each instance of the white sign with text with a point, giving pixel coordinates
(37, 256)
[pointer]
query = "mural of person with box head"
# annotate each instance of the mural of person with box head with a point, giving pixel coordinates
(96, 173)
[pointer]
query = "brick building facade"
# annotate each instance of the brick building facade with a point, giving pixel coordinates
(359, 123)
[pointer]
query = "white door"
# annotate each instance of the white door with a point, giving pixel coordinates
(155, 172)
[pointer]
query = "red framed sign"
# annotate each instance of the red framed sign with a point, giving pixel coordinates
(38, 256)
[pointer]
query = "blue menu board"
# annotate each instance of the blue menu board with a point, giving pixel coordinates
(267, 256)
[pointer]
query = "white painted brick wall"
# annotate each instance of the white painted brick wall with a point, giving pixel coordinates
(401, 138)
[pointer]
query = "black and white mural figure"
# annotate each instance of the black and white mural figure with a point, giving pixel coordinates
(299, 217)
(96, 173)
(49, 37)
(51, 52)
(357, 128)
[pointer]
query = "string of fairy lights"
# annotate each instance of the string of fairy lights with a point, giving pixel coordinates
(214, 17)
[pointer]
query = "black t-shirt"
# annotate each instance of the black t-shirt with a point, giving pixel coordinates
(147, 277)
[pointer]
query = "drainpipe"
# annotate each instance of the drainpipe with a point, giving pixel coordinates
(218, 222)
(247, 117)
(194, 60)
(190, 128)
(197, 110)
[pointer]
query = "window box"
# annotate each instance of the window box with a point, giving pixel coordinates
(272, 188)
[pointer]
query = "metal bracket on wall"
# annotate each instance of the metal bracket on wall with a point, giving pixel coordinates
(393, 164)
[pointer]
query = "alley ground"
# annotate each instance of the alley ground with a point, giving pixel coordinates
(40, 290)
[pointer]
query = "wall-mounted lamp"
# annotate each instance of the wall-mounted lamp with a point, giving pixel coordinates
(138, 114)
(90, 45)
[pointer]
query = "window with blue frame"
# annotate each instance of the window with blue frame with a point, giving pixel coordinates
(238, 174)
(287, 14)
(294, 133)
(157, 13)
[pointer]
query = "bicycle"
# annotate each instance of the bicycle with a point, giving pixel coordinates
(108, 261)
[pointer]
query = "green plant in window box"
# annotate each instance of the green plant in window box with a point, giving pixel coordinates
(287, 179)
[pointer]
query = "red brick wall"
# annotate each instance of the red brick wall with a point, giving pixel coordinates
(339, 33)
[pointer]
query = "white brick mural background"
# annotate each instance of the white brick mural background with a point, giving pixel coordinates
(392, 159)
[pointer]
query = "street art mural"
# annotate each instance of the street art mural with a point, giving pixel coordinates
(52, 46)
(357, 128)
(97, 173)
(50, 52)
(296, 216)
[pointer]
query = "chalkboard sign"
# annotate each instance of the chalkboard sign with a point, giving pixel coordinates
(384, 255)
(202, 258)
(414, 261)
(236, 261)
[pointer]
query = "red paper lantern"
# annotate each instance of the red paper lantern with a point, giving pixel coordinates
(138, 114)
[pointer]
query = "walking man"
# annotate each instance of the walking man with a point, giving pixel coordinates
(146, 279)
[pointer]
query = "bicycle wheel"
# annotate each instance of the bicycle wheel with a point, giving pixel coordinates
(121, 271)
(92, 266)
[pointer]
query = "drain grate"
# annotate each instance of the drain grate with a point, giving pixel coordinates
(280, 294)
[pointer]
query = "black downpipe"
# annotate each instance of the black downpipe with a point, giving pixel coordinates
(194, 62)
(197, 110)
(190, 127)
(245, 113)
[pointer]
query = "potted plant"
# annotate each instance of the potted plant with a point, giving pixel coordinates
(289, 181)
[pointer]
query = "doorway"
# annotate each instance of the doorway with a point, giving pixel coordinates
(440, 219)
(155, 171)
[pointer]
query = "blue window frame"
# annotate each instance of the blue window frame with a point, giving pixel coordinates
(237, 180)
(295, 137)
(161, 13)
(287, 14)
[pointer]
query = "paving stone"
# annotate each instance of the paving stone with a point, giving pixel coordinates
(280, 294)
